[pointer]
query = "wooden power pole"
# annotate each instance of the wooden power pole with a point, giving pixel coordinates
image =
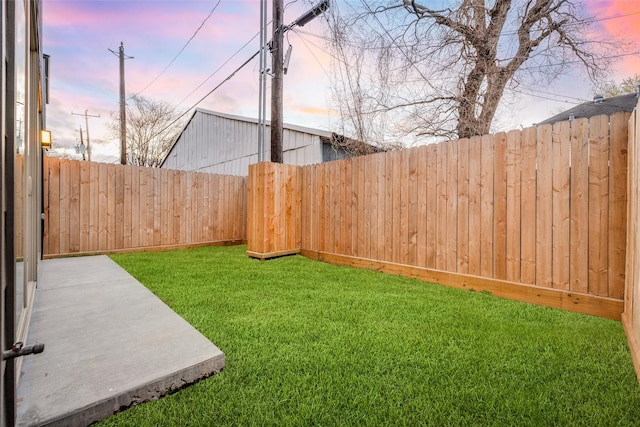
(276, 82)
(123, 105)
(277, 62)
(123, 111)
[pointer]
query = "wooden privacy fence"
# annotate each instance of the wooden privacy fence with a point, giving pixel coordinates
(537, 215)
(631, 317)
(98, 207)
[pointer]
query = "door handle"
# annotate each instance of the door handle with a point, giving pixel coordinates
(18, 349)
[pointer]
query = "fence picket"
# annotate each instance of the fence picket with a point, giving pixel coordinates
(618, 171)
(74, 207)
(393, 214)
(500, 207)
(486, 206)
(475, 210)
(441, 207)
(462, 196)
(513, 221)
(544, 206)
(119, 208)
(579, 249)
(381, 179)
(528, 204)
(421, 213)
(598, 204)
(111, 206)
(561, 184)
(64, 184)
(388, 202)
(452, 206)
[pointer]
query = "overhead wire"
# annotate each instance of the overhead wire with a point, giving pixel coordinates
(219, 68)
(181, 50)
(442, 78)
(229, 77)
(537, 93)
(369, 47)
(299, 32)
(313, 54)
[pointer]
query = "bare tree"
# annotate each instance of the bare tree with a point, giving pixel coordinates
(442, 73)
(609, 88)
(152, 127)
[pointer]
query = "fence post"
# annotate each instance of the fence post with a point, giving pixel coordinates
(273, 217)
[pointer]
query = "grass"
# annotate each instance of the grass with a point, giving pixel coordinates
(308, 343)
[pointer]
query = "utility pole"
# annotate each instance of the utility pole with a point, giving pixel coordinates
(82, 150)
(262, 92)
(277, 64)
(276, 82)
(123, 105)
(86, 122)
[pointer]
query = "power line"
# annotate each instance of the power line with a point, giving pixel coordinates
(551, 96)
(181, 50)
(229, 77)
(312, 53)
(504, 33)
(511, 33)
(219, 68)
(565, 97)
(580, 100)
(617, 56)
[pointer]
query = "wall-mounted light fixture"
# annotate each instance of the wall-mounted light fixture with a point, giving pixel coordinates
(45, 139)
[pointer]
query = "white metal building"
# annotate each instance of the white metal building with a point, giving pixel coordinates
(221, 143)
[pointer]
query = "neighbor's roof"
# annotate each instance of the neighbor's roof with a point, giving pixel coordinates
(594, 108)
(350, 146)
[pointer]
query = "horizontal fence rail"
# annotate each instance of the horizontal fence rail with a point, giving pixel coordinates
(98, 207)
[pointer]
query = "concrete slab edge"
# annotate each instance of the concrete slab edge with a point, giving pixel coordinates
(145, 393)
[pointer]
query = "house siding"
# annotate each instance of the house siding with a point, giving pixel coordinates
(217, 143)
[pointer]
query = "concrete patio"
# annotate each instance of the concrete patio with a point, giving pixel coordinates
(109, 344)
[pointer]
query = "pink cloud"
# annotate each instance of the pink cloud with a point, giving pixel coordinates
(623, 23)
(314, 111)
(84, 74)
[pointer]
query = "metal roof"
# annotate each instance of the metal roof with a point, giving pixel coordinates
(326, 137)
(312, 131)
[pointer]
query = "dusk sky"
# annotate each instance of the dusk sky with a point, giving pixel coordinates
(84, 73)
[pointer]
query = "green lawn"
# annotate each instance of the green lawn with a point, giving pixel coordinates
(308, 343)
